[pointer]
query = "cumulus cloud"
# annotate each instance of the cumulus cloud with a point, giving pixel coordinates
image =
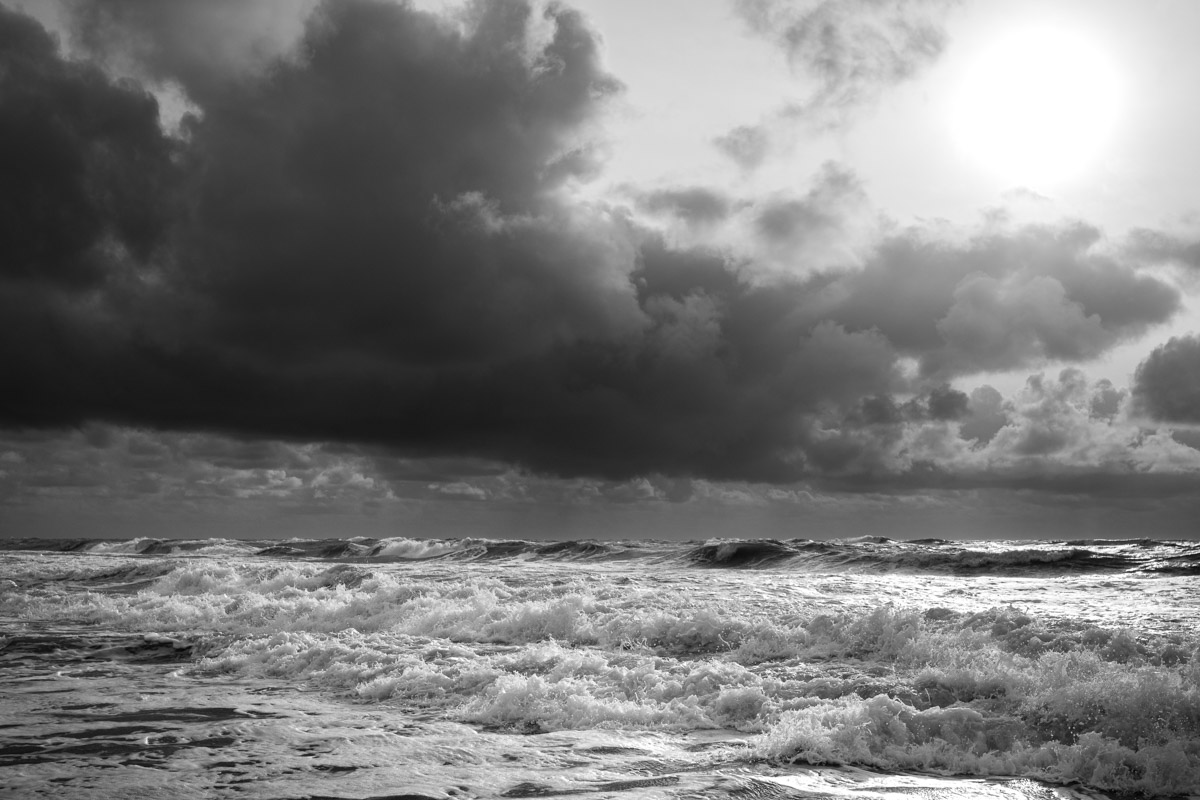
(946, 402)
(794, 221)
(1053, 429)
(1107, 400)
(985, 417)
(747, 145)
(998, 325)
(1159, 247)
(999, 300)
(1045, 437)
(1047, 416)
(1167, 383)
(695, 205)
(790, 234)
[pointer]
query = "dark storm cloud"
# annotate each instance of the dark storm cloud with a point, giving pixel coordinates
(365, 236)
(719, 385)
(1167, 383)
(391, 191)
(946, 402)
(372, 248)
(382, 195)
(853, 49)
(1189, 437)
(85, 166)
(197, 44)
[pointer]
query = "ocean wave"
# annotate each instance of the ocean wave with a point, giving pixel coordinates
(812, 671)
(249, 598)
(476, 549)
(1186, 563)
(1014, 560)
(149, 546)
(862, 554)
(576, 550)
(739, 553)
(877, 554)
(48, 545)
(123, 547)
(319, 548)
(888, 734)
(420, 549)
(939, 702)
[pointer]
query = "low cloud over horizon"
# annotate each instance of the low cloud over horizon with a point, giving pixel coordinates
(352, 248)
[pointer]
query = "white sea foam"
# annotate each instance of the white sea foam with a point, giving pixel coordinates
(888, 734)
(126, 547)
(418, 548)
(937, 674)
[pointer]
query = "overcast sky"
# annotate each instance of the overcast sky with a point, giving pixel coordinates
(680, 268)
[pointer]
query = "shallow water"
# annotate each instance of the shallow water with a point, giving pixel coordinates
(477, 668)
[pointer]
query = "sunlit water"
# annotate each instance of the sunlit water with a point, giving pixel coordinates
(461, 669)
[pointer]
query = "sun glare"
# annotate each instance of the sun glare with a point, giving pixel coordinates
(1038, 107)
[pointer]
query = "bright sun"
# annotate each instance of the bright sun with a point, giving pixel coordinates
(1038, 107)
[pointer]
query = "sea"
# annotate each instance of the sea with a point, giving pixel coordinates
(480, 668)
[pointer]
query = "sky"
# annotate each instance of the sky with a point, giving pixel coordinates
(602, 269)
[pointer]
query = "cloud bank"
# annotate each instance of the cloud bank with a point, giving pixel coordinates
(365, 232)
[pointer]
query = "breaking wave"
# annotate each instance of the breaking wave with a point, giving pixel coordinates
(866, 554)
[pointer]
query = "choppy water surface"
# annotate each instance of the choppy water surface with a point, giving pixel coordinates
(477, 668)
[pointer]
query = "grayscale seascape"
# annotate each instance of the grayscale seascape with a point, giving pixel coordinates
(665, 399)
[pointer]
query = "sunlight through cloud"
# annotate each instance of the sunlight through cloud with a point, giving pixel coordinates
(1038, 106)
